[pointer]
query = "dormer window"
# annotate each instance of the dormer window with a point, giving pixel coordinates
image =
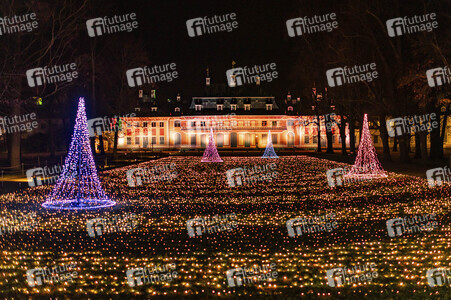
(268, 106)
(232, 106)
(247, 107)
(290, 108)
(154, 108)
(220, 106)
(198, 107)
(177, 109)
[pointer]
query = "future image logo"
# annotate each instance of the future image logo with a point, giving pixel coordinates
(399, 226)
(251, 275)
(208, 225)
(337, 277)
(438, 276)
(406, 25)
(148, 75)
(56, 274)
(208, 25)
(144, 275)
(438, 76)
(349, 75)
(98, 126)
(405, 125)
(53, 74)
(308, 25)
(109, 25)
(315, 224)
(438, 176)
(124, 223)
(254, 74)
(16, 24)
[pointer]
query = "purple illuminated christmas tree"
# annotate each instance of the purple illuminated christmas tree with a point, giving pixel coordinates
(366, 165)
(211, 153)
(269, 151)
(78, 186)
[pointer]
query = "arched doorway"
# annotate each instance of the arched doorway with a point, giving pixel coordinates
(290, 139)
(220, 138)
(178, 139)
(233, 139)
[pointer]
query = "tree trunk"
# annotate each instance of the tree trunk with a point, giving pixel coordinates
(445, 120)
(101, 147)
(417, 146)
(395, 144)
(342, 127)
(116, 135)
(436, 151)
(384, 138)
(93, 145)
(424, 145)
(403, 149)
(330, 146)
(319, 134)
(352, 136)
(14, 139)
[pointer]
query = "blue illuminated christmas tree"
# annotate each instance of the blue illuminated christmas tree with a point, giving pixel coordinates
(269, 151)
(211, 153)
(78, 186)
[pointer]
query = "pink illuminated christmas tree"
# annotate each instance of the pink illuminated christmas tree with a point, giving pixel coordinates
(78, 186)
(366, 165)
(211, 153)
(269, 151)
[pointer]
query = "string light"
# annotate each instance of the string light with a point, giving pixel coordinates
(366, 165)
(269, 151)
(211, 153)
(78, 186)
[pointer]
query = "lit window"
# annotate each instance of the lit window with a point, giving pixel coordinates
(137, 140)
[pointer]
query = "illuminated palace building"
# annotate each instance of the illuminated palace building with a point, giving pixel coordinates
(238, 120)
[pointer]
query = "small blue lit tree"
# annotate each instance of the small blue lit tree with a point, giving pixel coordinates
(269, 151)
(78, 186)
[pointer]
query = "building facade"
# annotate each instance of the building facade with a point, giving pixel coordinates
(237, 123)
